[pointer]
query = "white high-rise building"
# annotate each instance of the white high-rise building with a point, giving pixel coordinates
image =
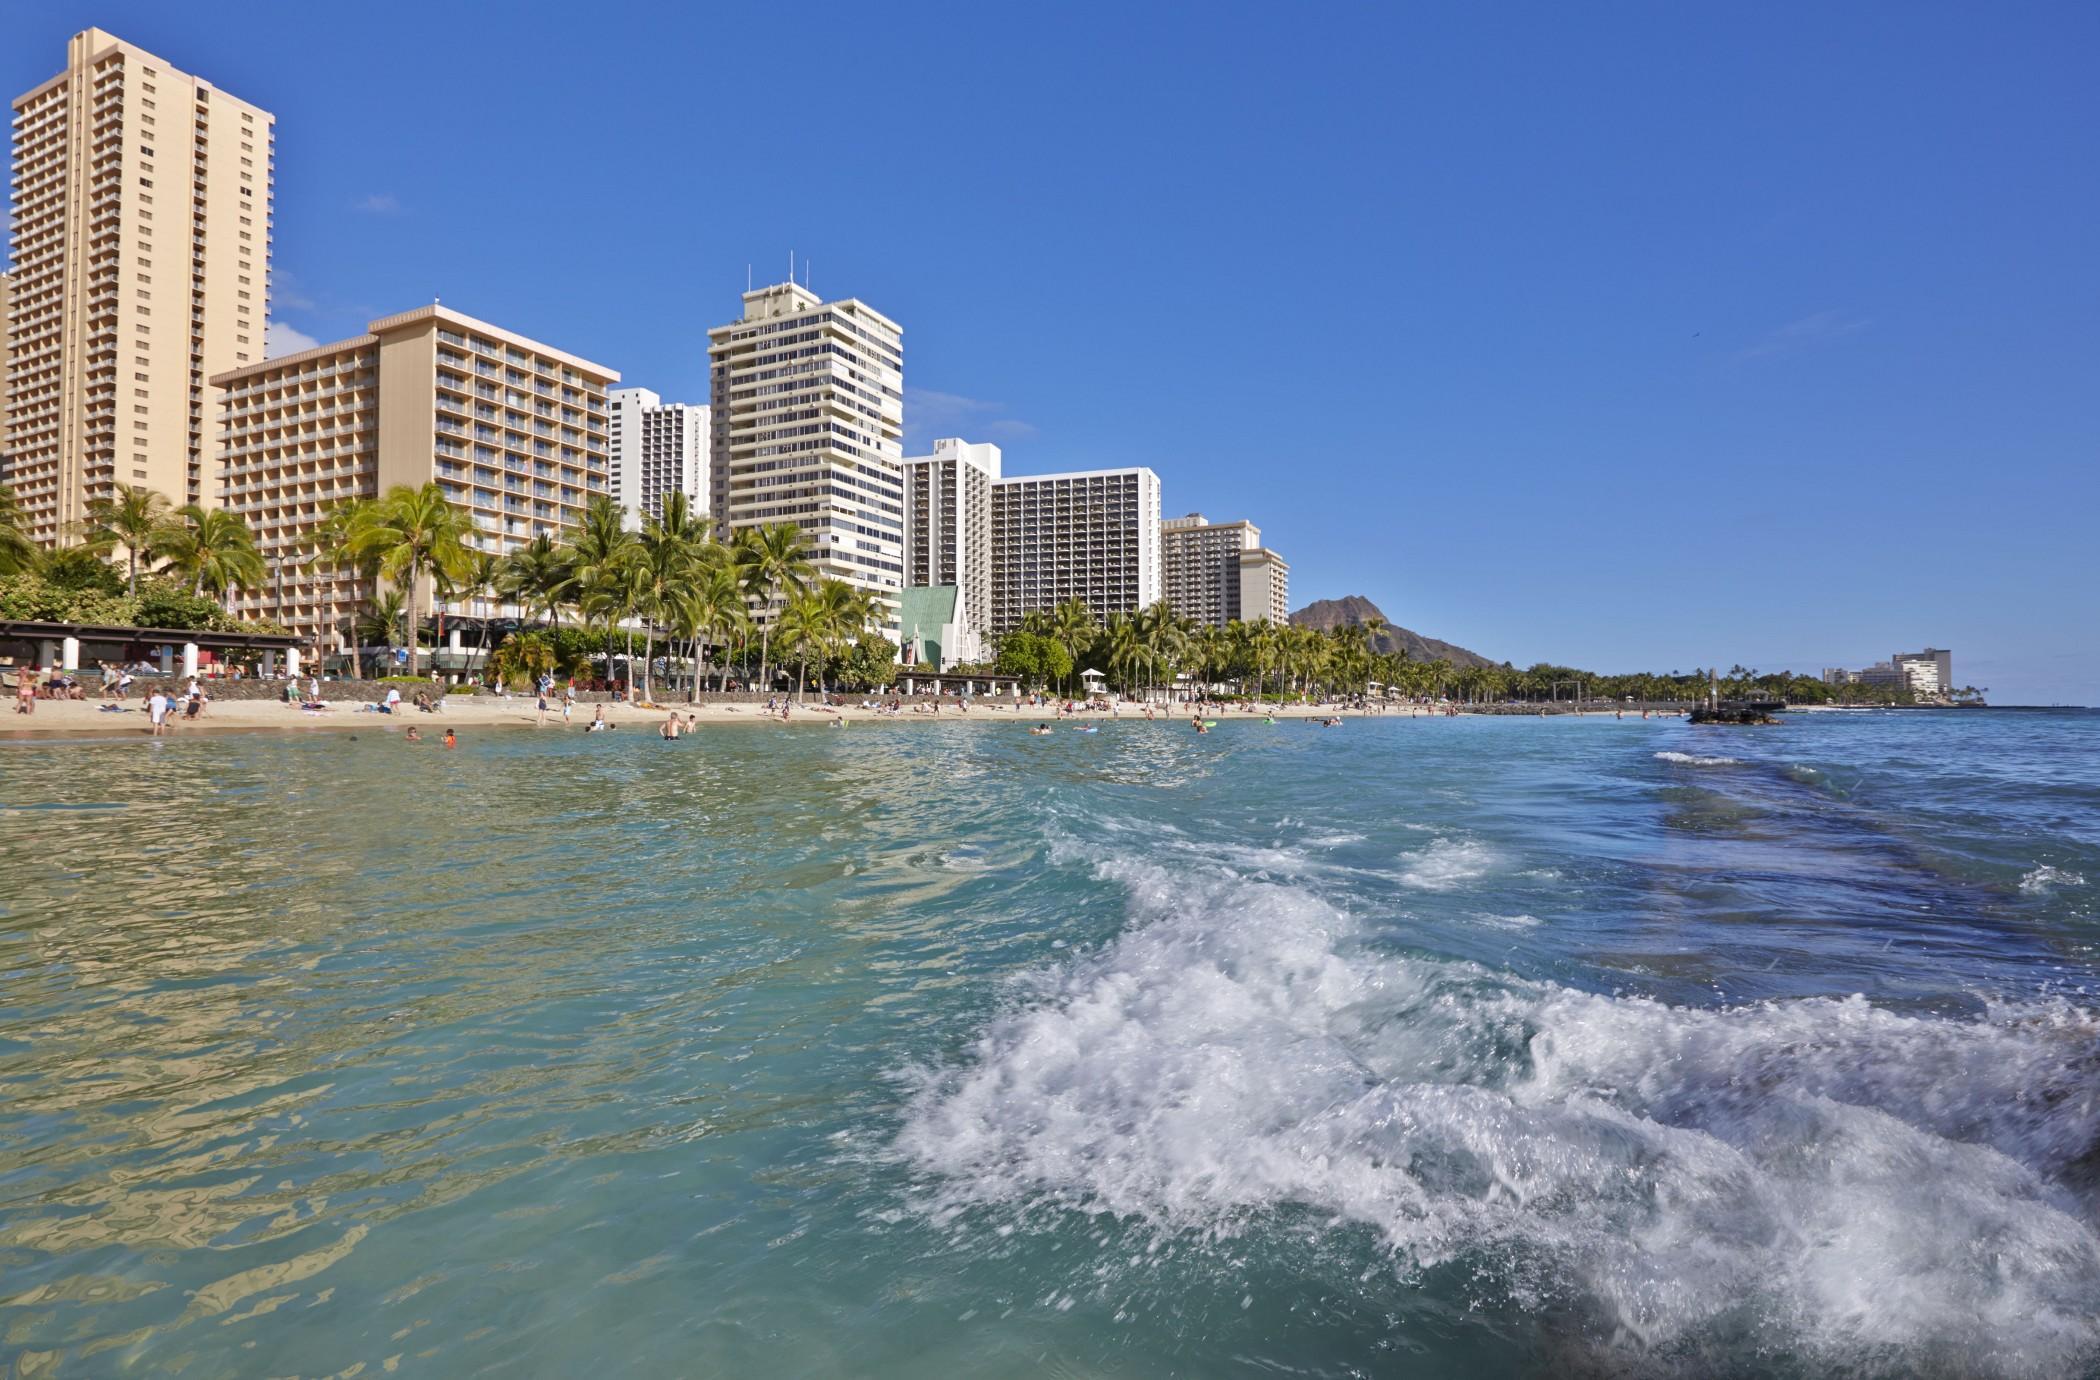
(1090, 535)
(948, 525)
(808, 422)
(658, 449)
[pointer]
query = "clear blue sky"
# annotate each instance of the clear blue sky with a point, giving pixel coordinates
(1631, 335)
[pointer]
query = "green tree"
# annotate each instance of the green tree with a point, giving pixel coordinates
(211, 548)
(674, 549)
(410, 533)
(132, 516)
(18, 551)
(536, 577)
(771, 565)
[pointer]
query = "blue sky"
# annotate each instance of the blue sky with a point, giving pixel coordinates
(1632, 335)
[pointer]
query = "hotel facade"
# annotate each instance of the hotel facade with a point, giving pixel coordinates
(140, 251)
(807, 410)
(1090, 535)
(1264, 587)
(948, 531)
(658, 449)
(515, 432)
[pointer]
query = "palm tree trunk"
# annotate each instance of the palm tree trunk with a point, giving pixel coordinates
(415, 633)
(648, 659)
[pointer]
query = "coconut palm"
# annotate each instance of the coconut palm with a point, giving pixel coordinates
(1071, 625)
(673, 546)
(211, 548)
(483, 579)
(535, 577)
(805, 626)
(17, 550)
(771, 563)
(711, 606)
(131, 516)
(381, 622)
(409, 533)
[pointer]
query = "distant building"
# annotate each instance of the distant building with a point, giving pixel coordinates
(1264, 588)
(7, 284)
(140, 249)
(658, 449)
(1091, 535)
(513, 431)
(1929, 673)
(948, 532)
(1200, 566)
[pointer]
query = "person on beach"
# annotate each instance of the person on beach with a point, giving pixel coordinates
(568, 703)
(451, 740)
(25, 691)
(671, 729)
(541, 721)
(598, 724)
(157, 711)
(393, 699)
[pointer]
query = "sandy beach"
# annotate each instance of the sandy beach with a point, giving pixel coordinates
(71, 718)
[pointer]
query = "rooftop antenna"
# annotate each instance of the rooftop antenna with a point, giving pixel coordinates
(747, 277)
(805, 278)
(791, 268)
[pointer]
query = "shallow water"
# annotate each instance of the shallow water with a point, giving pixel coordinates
(1523, 1046)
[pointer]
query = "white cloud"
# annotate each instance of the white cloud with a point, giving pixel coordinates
(285, 340)
(930, 414)
(379, 204)
(1819, 328)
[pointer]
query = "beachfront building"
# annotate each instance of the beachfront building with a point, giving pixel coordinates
(948, 536)
(7, 284)
(1929, 673)
(658, 449)
(1200, 566)
(1090, 535)
(808, 420)
(1264, 587)
(140, 249)
(513, 430)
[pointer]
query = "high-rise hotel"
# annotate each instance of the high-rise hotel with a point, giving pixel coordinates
(1090, 535)
(140, 252)
(512, 430)
(1218, 572)
(808, 419)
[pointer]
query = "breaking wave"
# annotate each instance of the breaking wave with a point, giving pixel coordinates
(1820, 1179)
(2047, 878)
(1446, 864)
(1693, 759)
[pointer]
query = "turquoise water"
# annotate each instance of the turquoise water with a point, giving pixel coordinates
(1409, 1048)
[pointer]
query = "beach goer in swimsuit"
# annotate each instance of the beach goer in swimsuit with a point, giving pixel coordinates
(157, 710)
(450, 740)
(414, 735)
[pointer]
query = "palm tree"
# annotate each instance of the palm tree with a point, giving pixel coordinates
(807, 624)
(483, 578)
(674, 545)
(212, 548)
(711, 606)
(535, 576)
(850, 612)
(1123, 648)
(772, 564)
(1072, 626)
(131, 517)
(381, 622)
(597, 561)
(332, 553)
(17, 550)
(408, 533)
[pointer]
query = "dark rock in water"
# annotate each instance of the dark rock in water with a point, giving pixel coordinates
(1760, 712)
(1325, 614)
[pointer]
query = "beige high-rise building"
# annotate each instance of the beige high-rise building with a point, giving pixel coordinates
(513, 430)
(141, 260)
(1265, 587)
(7, 289)
(1200, 567)
(808, 420)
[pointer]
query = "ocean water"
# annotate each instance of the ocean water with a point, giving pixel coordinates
(1410, 1048)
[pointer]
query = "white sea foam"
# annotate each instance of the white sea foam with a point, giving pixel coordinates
(2047, 878)
(1693, 759)
(1507, 922)
(1818, 1177)
(1445, 864)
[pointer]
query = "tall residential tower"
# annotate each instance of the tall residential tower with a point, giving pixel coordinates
(1091, 535)
(658, 449)
(141, 259)
(808, 420)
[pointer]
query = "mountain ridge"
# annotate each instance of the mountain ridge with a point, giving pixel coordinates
(1354, 610)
